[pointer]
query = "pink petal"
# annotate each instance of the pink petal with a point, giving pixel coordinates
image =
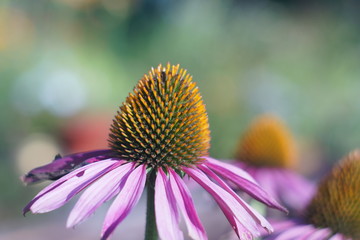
(99, 192)
(186, 205)
(61, 191)
(294, 190)
(268, 181)
(237, 216)
(319, 234)
(296, 233)
(129, 195)
(254, 214)
(244, 181)
(165, 209)
(339, 236)
(280, 226)
(212, 163)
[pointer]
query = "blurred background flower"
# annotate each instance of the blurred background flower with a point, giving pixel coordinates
(267, 151)
(65, 67)
(334, 211)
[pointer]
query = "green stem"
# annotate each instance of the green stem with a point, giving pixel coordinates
(150, 230)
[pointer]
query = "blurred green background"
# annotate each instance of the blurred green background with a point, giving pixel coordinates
(66, 66)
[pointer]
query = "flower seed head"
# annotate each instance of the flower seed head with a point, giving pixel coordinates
(336, 205)
(267, 143)
(163, 122)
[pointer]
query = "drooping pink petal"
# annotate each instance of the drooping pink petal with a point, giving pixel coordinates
(171, 198)
(252, 212)
(296, 233)
(61, 166)
(167, 220)
(323, 233)
(61, 191)
(238, 217)
(280, 226)
(339, 236)
(186, 205)
(99, 192)
(128, 197)
(294, 190)
(210, 162)
(267, 180)
(244, 181)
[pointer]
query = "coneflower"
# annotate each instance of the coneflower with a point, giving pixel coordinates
(268, 152)
(334, 211)
(160, 134)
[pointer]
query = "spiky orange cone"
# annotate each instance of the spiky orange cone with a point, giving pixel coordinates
(334, 211)
(267, 151)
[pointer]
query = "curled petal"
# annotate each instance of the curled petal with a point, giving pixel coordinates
(167, 220)
(99, 192)
(63, 165)
(61, 191)
(186, 205)
(130, 193)
(244, 181)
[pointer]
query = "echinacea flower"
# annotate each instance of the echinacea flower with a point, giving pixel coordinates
(160, 134)
(267, 151)
(334, 211)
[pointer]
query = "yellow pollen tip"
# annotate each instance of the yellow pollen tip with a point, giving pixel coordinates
(336, 204)
(163, 122)
(267, 143)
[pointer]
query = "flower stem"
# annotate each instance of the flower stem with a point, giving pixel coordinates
(150, 231)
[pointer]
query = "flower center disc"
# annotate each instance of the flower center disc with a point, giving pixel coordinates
(337, 202)
(163, 122)
(267, 143)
